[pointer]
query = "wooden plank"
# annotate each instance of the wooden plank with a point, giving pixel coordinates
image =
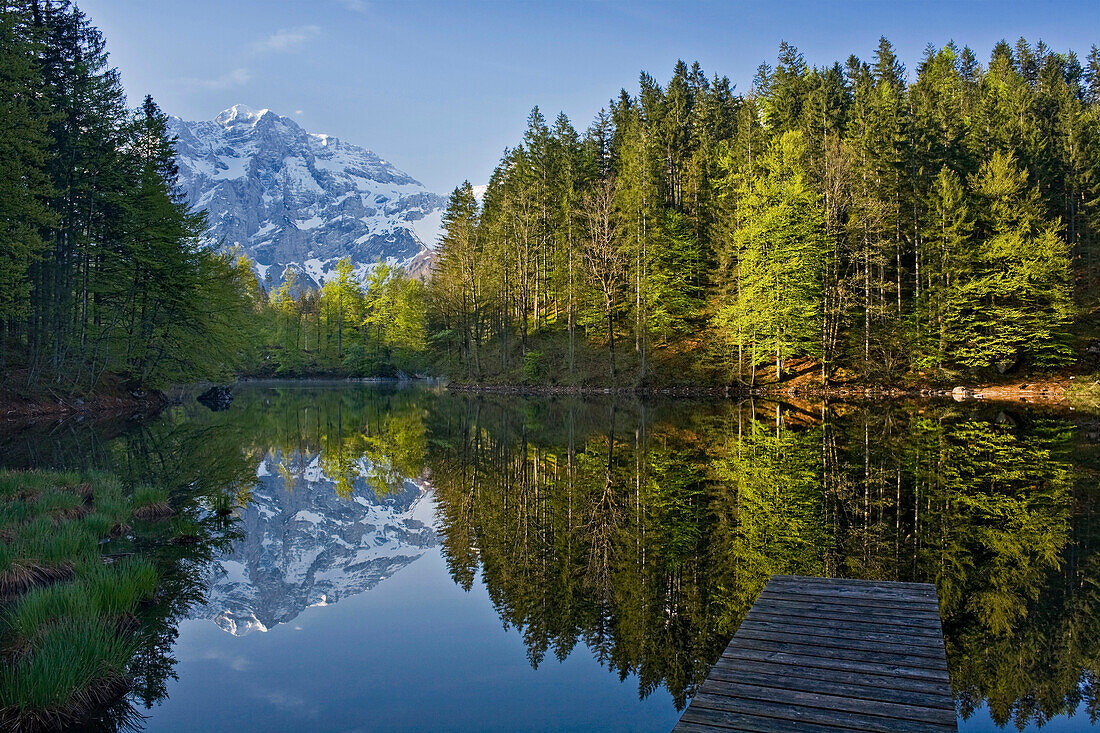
(854, 617)
(837, 632)
(915, 632)
(702, 720)
(854, 686)
(838, 703)
(926, 588)
(796, 713)
(800, 660)
(918, 605)
(934, 688)
(854, 591)
(840, 642)
(907, 661)
(872, 614)
(820, 655)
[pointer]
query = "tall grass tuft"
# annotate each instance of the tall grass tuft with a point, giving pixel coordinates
(151, 504)
(67, 619)
(74, 668)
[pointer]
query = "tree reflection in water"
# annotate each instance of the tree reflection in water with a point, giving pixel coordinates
(647, 532)
(644, 531)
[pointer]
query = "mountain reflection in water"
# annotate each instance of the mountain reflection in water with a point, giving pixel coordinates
(641, 532)
(306, 545)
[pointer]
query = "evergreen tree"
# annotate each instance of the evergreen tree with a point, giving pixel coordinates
(897, 261)
(24, 187)
(457, 275)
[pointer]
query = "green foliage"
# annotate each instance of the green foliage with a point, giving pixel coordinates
(674, 292)
(102, 272)
(24, 186)
(775, 310)
(350, 328)
(948, 230)
(1015, 302)
(647, 531)
(533, 367)
(910, 231)
(644, 530)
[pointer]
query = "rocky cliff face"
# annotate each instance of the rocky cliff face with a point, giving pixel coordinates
(300, 201)
(304, 545)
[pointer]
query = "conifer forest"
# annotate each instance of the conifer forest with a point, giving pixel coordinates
(856, 222)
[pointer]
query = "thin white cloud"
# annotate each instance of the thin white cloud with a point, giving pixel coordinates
(287, 40)
(229, 80)
(297, 111)
(358, 6)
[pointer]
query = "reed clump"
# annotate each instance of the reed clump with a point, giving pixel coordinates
(67, 610)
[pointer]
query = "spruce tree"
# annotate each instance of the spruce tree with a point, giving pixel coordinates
(24, 186)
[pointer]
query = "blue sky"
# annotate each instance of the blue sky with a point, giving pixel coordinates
(439, 89)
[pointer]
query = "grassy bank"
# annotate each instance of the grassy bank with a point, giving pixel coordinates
(70, 589)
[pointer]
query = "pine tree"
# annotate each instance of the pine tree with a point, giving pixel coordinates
(458, 274)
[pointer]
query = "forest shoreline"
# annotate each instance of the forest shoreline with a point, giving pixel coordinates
(1058, 392)
(18, 407)
(40, 405)
(27, 408)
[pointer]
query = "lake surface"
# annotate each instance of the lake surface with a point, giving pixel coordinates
(393, 558)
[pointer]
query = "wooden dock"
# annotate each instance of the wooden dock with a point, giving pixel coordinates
(821, 655)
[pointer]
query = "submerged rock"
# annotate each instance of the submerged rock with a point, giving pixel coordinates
(216, 398)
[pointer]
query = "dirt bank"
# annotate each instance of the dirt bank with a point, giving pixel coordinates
(19, 406)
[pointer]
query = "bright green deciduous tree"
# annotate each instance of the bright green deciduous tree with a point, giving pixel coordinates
(780, 244)
(1013, 301)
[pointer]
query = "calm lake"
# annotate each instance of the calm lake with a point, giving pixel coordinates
(385, 558)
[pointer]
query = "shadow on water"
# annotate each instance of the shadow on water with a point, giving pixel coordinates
(642, 531)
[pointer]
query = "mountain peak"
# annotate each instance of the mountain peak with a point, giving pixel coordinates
(241, 114)
(295, 200)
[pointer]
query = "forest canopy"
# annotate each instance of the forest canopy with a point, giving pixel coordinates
(850, 221)
(103, 270)
(108, 277)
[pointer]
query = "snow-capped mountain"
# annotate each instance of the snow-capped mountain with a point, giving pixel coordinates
(293, 199)
(304, 545)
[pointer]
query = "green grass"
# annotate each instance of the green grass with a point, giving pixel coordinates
(151, 504)
(73, 667)
(65, 626)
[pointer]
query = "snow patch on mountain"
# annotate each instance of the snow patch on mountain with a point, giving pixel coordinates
(294, 200)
